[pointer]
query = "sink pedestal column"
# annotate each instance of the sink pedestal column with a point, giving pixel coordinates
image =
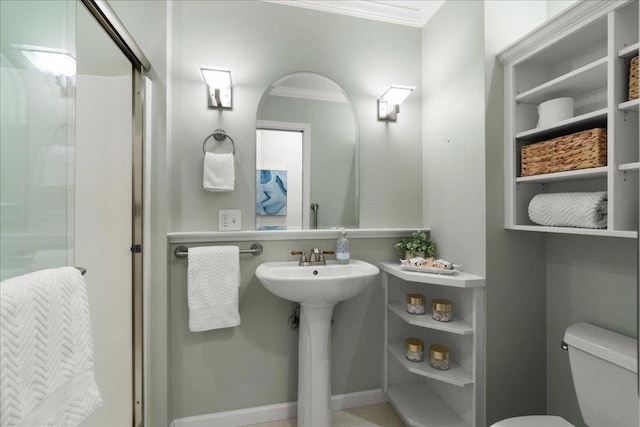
(314, 366)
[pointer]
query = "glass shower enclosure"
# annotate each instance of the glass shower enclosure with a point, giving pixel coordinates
(70, 130)
(37, 146)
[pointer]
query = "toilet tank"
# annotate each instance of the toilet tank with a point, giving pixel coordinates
(604, 366)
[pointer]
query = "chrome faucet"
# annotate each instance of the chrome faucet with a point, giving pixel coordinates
(316, 257)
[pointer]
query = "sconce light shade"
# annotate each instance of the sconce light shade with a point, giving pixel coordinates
(389, 102)
(219, 84)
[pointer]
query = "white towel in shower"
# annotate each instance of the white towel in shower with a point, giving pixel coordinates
(46, 350)
(583, 209)
(219, 172)
(213, 287)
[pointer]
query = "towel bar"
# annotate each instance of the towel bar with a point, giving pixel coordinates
(82, 270)
(256, 249)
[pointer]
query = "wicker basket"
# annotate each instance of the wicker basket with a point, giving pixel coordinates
(581, 150)
(633, 79)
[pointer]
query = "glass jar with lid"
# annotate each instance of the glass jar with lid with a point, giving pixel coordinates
(441, 310)
(439, 356)
(415, 304)
(415, 349)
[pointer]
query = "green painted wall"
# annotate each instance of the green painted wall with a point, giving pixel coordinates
(453, 133)
(536, 284)
(589, 279)
(255, 363)
(261, 42)
(515, 297)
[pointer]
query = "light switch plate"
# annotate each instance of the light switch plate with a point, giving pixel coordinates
(229, 220)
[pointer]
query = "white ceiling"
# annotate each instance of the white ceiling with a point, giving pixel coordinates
(413, 13)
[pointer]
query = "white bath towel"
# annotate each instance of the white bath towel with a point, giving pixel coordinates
(46, 350)
(584, 209)
(219, 172)
(213, 287)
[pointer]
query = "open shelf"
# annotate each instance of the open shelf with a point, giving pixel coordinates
(419, 406)
(585, 79)
(422, 395)
(635, 166)
(574, 124)
(426, 321)
(583, 54)
(629, 105)
(457, 280)
(566, 176)
(629, 51)
(582, 231)
(455, 375)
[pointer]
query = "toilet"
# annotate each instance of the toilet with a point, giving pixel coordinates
(604, 366)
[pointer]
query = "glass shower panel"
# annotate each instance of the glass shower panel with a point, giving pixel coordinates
(37, 130)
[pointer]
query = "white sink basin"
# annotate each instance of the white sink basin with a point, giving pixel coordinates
(316, 284)
(317, 288)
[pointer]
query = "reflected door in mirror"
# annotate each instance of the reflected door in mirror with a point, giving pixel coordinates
(279, 183)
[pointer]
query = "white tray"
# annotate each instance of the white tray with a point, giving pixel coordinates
(428, 270)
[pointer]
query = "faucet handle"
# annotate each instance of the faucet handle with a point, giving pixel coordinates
(303, 256)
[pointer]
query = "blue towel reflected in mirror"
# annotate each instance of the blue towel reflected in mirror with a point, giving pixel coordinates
(271, 194)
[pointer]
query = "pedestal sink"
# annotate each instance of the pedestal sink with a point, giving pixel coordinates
(318, 288)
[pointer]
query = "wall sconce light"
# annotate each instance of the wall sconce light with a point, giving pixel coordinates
(219, 85)
(389, 102)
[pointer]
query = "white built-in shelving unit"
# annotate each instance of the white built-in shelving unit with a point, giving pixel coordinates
(583, 53)
(424, 396)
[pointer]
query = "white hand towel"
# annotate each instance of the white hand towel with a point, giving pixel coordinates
(219, 172)
(46, 350)
(213, 287)
(584, 209)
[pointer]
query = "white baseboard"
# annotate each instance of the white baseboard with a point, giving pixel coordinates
(280, 411)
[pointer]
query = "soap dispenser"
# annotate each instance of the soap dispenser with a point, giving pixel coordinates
(342, 248)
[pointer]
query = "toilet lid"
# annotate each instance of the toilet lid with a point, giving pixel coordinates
(534, 421)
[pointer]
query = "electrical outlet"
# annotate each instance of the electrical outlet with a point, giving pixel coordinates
(229, 220)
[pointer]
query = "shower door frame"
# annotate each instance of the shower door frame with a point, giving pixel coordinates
(116, 30)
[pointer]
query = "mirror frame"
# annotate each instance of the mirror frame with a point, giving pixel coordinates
(356, 147)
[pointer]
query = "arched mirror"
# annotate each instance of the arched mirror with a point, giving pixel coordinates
(306, 155)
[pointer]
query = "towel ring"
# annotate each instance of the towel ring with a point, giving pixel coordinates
(219, 135)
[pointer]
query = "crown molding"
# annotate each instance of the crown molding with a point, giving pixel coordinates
(574, 17)
(409, 13)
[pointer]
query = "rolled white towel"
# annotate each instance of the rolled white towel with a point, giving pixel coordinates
(583, 209)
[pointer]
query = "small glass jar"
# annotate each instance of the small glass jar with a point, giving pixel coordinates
(415, 349)
(439, 356)
(415, 304)
(442, 310)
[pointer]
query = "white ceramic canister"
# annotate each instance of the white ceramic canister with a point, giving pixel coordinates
(554, 110)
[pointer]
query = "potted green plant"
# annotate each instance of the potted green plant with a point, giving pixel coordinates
(419, 245)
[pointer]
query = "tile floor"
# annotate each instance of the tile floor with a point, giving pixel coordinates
(381, 415)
